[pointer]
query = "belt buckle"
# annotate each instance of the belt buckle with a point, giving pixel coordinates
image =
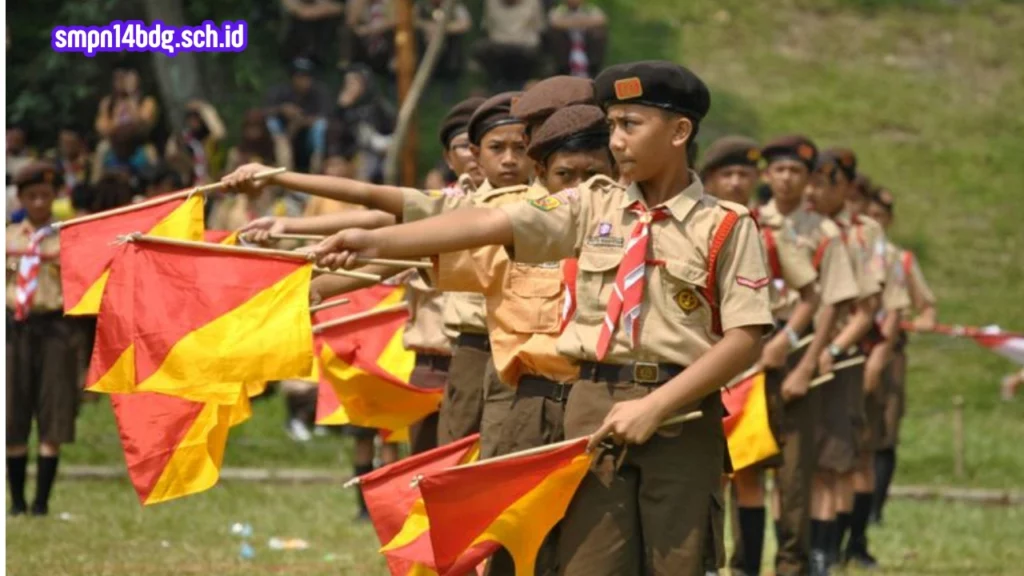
(646, 372)
(561, 395)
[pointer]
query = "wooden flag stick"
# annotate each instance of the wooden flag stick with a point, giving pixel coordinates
(349, 274)
(803, 343)
(835, 368)
(158, 200)
(396, 263)
(139, 237)
(310, 237)
(327, 305)
(359, 316)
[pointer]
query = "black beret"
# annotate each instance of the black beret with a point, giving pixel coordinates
(827, 164)
(457, 120)
(551, 94)
(37, 172)
(656, 83)
(731, 151)
(493, 112)
(793, 147)
(578, 123)
(863, 184)
(847, 161)
(884, 198)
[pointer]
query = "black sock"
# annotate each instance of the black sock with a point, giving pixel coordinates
(859, 522)
(841, 525)
(46, 474)
(819, 534)
(885, 469)
(361, 469)
(752, 528)
(16, 466)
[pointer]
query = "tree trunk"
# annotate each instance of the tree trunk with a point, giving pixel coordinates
(178, 77)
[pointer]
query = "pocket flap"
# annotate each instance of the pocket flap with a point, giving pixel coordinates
(600, 261)
(687, 273)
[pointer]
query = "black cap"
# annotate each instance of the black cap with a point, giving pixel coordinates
(731, 151)
(584, 124)
(656, 83)
(457, 120)
(847, 161)
(493, 112)
(37, 172)
(792, 147)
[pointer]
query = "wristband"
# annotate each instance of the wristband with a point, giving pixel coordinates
(835, 351)
(794, 338)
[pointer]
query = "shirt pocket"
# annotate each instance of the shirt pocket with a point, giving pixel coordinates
(531, 300)
(594, 283)
(684, 285)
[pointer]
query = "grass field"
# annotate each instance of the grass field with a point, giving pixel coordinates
(928, 92)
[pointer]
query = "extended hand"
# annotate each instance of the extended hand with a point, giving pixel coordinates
(261, 230)
(630, 422)
(774, 353)
(796, 384)
(243, 179)
(343, 249)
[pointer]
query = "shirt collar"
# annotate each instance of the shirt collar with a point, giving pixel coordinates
(679, 205)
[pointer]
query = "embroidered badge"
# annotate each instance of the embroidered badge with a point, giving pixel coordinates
(687, 300)
(546, 204)
(628, 88)
(606, 241)
(753, 154)
(805, 152)
(434, 193)
(753, 284)
(604, 229)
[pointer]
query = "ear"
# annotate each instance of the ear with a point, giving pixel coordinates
(682, 131)
(540, 171)
(447, 156)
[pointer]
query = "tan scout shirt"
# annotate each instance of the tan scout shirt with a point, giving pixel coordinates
(920, 292)
(524, 307)
(796, 266)
(896, 294)
(48, 296)
(593, 223)
(820, 239)
(865, 241)
(425, 331)
(464, 311)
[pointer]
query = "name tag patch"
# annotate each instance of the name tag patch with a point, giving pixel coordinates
(606, 241)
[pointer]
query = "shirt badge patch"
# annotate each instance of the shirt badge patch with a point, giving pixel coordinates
(604, 229)
(546, 204)
(687, 300)
(753, 284)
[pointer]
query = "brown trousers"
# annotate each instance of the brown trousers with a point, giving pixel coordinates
(658, 513)
(42, 379)
(498, 398)
(837, 425)
(895, 400)
(423, 434)
(463, 403)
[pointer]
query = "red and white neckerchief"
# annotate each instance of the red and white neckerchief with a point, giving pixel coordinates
(198, 151)
(628, 293)
(27, 281)
(570, 268)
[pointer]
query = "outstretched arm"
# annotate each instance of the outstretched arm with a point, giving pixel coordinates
(260, 230)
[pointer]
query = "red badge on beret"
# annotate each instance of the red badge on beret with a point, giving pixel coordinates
(805, 151)
(846, 158)
(753, 154)
(628, 88)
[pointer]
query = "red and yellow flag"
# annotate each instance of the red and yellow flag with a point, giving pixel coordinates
(184, 321)
(390, 492)
(465, 514)
(87, 248)
(221, 237)
(366, 367)
(746, 427)
(173, 447)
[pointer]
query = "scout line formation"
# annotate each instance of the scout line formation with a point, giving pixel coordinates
(613, 338)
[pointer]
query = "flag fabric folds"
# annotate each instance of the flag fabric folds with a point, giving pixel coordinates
(746, 427)
(467, 513)
(364, 369)
(88, 248)
(184, 321)
(1008, 345)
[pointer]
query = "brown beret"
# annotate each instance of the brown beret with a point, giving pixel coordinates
(847, 161)
(863, 184)
(581, 124)
(884, 198)
(550, 94)
(793, 147)
(656, 83)
(457, 120)
(37, 172)
(493, 112)
(731, 151)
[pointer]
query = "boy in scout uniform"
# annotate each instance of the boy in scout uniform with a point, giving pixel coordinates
(42, 384)
(664, 318)
(730, 172)
(803, 521)
(880, 208)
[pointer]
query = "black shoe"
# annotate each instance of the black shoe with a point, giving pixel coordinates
(18, 510)
(819, 563)
(861, 559)
(40, 509)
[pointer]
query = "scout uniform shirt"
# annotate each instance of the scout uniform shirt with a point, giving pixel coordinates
(594, 222)
(896, 293)
(820, 239)
(791, 267)
(525, 305)
(920, 292)
(425, 332)
(48, 296)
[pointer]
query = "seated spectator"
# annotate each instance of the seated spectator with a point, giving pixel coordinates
(19, 155)
(73, 161)
(372, 42)
(299, 110)
(128, 152)
(312, 28)
(362, 109)
(578, 37)
(511, 52)
(127, 104)
(258, 144)
(450, 63)
(200, 141)
(341, 164)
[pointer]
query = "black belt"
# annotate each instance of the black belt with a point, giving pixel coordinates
(472, 340)
(435, 361)
(649, 373)
(538, 386)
